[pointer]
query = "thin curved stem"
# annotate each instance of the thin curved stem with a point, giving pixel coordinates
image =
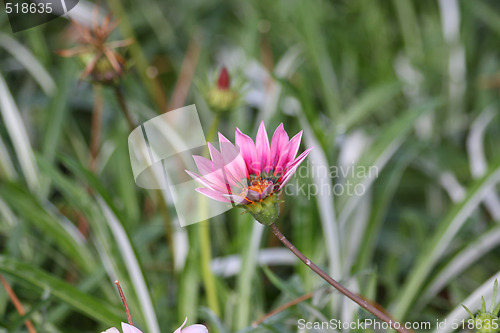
(124, 301)
(360, 301)
(17, 304)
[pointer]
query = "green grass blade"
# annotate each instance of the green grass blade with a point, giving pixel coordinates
(368, 102)
(18, 135)
(62, 232)
(442, 238)
(30, 62)
(388, 142)
(460, 262)
(7, 169)
(82, 302)
(247, 274)
(131, 262)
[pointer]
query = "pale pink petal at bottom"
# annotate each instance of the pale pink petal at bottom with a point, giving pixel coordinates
(179, 329)
(112, 330)
(197, 328)
(126, 328)
(191, 329)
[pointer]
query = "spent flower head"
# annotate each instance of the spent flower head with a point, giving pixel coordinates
(249, 174)
(487, 321)
(100, 57)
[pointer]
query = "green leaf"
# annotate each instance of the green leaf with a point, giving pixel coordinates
(62, 232)
(386, 144)
(82, 302)
(367, 103)
(443, 236)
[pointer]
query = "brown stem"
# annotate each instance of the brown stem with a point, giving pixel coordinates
(95, 133)
(123, 106)
(17, 304)
(186, 74)
(283, 308)
(129, 317)
(364, 304)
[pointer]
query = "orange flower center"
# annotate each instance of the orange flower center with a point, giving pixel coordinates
(259, 185)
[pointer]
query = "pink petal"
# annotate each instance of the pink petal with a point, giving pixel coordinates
(213, 194)
(208, 171)
(214, 180)
(247, 150)
(278, 144)
(197, 328)
(232, 158)
(126, 328)
(293, 146)
(112, 330)
(292, 168)
(220, 163)
(262, 147)
(289, 153)
(204, 165)
(237, 199)
(179, 329)
(200, 180)
(214, 153)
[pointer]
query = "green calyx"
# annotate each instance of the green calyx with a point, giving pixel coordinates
(265, 211)
(222, 100)
(487, 321)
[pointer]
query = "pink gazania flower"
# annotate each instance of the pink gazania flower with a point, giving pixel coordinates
(126, 328)
(248, 174)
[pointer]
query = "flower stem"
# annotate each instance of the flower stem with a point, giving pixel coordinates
(206, 247)
(17, 304)
(363, 303)
(95, 134)
(283, 308)
(129, 317)
(123, 106)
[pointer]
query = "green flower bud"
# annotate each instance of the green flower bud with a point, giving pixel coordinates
(221, 97)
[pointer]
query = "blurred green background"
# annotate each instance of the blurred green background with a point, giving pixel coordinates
(409, 87)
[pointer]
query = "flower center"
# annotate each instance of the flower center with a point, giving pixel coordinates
(259, 185)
